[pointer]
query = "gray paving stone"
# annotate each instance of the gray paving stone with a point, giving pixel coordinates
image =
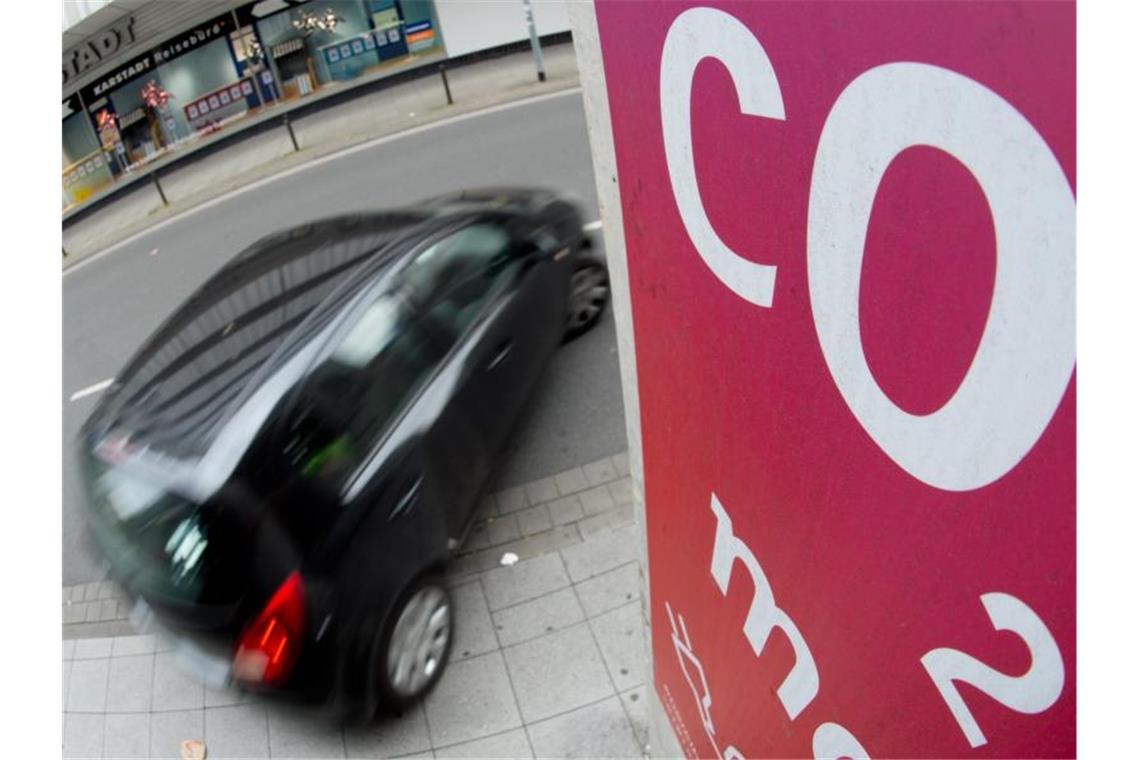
(68, 649)
(298, 733)
(108, 609)
(390, 736)
(129, 682)
(543, 543)
(539, 616)
(173, 688)
(541, 490)
(169, 729)
(523, 581)
(599, 472)
(91, 611)
(83, 735)
(597, 730)
(571, 481)
(557, 672)
(226, 697)
(126, 735)
(74, 613)
(474, 634)
(610, 590)
(511, 500)
(605, 521)
(67, 666)
(537, 545)
(502, 530)
(636, 707)
(87, 691)
(91, 649)
(90, 591)
(534, 520)
(603, 552)
(621, 462)
(237, 732)
(621, 490)
(566, 510)
(477, 538)
(468, 567)
(128, 645)
(596, 500)
(507, 745)
(72, 594)
(620, 634)
(473, 700)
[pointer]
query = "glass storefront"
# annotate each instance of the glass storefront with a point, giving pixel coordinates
(86, 169)
(227, 69)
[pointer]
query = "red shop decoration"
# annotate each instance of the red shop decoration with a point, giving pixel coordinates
(154, 96)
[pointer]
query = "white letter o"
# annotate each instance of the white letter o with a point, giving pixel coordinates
(1027, 351)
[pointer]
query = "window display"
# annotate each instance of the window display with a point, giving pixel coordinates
(224, 69)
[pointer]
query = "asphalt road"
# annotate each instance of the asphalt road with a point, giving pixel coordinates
(111, 304)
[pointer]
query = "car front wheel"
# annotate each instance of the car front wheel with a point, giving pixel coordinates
(589, 292)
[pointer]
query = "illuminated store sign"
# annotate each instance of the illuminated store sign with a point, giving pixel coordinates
(152, 59)
(98, 48)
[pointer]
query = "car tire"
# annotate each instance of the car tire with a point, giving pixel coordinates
(414, 645)
(589, 293)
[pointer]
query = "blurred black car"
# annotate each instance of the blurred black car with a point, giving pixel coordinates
(282, 472)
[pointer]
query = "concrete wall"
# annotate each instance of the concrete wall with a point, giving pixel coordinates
(470, 26)
(662, 741)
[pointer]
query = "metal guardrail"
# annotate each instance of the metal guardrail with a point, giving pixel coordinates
(281, 116)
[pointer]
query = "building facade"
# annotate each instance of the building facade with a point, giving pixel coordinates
(134, 89)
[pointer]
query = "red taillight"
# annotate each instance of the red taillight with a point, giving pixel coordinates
(269, 645)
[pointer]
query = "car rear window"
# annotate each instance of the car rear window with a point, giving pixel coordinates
(160, 544)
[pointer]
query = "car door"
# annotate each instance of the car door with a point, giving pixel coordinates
(481, 289)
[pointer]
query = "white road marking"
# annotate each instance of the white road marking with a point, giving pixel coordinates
(102, 385)
(594, 225)
(324, 159)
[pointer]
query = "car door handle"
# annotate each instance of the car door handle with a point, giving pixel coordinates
(500, 355)
(408, 500)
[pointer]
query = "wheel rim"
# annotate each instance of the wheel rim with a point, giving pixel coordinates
(589, 290)
(419, 640)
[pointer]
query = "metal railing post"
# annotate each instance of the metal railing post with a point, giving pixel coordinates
(289, 126)
(446, 86)
(158, 187)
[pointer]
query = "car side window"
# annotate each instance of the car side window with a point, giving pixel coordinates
(354, 394)
(454, 278)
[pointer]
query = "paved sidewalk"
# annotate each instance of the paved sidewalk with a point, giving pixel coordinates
(549, 660)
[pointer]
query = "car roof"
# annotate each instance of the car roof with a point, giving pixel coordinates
(249, 319)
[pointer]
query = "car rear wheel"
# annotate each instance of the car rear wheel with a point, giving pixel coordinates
(589, 292)
(416, 644)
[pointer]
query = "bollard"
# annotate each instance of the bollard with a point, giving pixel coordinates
(158, 187)
(289, 126)
(446, 86)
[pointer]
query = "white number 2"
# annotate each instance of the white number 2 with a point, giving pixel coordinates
(1031, 693)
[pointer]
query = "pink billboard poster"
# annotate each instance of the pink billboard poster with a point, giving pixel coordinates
(851, 249)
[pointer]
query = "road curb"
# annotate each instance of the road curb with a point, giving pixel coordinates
(80, 253)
